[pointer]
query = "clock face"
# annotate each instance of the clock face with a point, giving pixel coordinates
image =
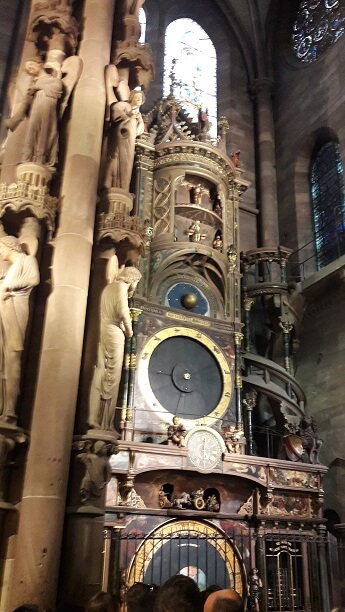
(185, 374)
(205, 448)
(186, 296)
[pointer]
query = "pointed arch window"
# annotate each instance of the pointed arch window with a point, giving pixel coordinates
(190, 69)
(142, 21)
(328, 203)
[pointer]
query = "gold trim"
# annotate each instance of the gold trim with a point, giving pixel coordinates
(143, 373)
(215, 537)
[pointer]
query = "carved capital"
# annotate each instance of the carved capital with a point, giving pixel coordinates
(262, 87)
(250, 399)
(238, 337)
(135, 314)
(52, 26)
(30, 192)
(286, 326)
(248, 303)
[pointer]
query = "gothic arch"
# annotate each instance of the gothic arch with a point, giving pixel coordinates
(305, 243)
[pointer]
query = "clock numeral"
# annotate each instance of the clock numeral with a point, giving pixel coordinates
(145, 356)
(216, 350)
(199, 335)
(227, 394)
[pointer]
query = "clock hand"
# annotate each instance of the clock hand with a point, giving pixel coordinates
(163, 373)
(182, 397)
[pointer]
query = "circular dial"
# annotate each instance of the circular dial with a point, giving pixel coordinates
(205, 447)
(176, 297)
(184, 373)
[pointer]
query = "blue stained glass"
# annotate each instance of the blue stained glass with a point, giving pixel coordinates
(190, 62)
(328, 203)
(318, 23)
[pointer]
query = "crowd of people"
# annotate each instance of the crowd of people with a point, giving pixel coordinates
(177, 593)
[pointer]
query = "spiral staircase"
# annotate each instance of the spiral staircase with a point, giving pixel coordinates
(268, 373)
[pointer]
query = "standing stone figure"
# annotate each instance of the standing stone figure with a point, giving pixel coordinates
(15, 289)
(41, 143)
(126, 124)
(97, 471)
(44, 96)
(116, 325)
(24, 92)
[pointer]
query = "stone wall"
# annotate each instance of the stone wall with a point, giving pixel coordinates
(308, 105)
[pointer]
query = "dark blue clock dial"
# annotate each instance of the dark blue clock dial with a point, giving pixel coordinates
(186, 296)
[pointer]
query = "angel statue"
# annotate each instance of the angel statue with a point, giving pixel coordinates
(15, 289)
(42, 106)
(126, 123)
(115, 327)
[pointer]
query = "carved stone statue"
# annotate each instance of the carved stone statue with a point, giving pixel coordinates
(23, 95)
(126, 124)
(41, 143)
(15, 289)
(310, 439)
(97, 471)
(45, 88)
(115, 326)
(176, 433)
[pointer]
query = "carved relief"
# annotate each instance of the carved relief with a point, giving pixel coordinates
(162, 190)
(95, 457)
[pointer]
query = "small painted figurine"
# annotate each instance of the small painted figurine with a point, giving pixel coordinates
(194, 232)
(176, 433)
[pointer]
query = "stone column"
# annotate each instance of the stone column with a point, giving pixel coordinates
(238, 337)
(322, 548)
(36, 567)
(262, 90)
(261, 564)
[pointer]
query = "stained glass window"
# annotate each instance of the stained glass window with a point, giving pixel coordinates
(319, 24)
(142, 21)
(190, 69)
(328, 201)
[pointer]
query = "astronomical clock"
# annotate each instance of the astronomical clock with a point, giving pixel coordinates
(190, 484)
(190, 302)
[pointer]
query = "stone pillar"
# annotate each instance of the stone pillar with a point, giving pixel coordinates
(238, 337)
(261, 564)
(250, 402)
(130, 365)
(323, 575)
(262, 90)
(36, 567)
